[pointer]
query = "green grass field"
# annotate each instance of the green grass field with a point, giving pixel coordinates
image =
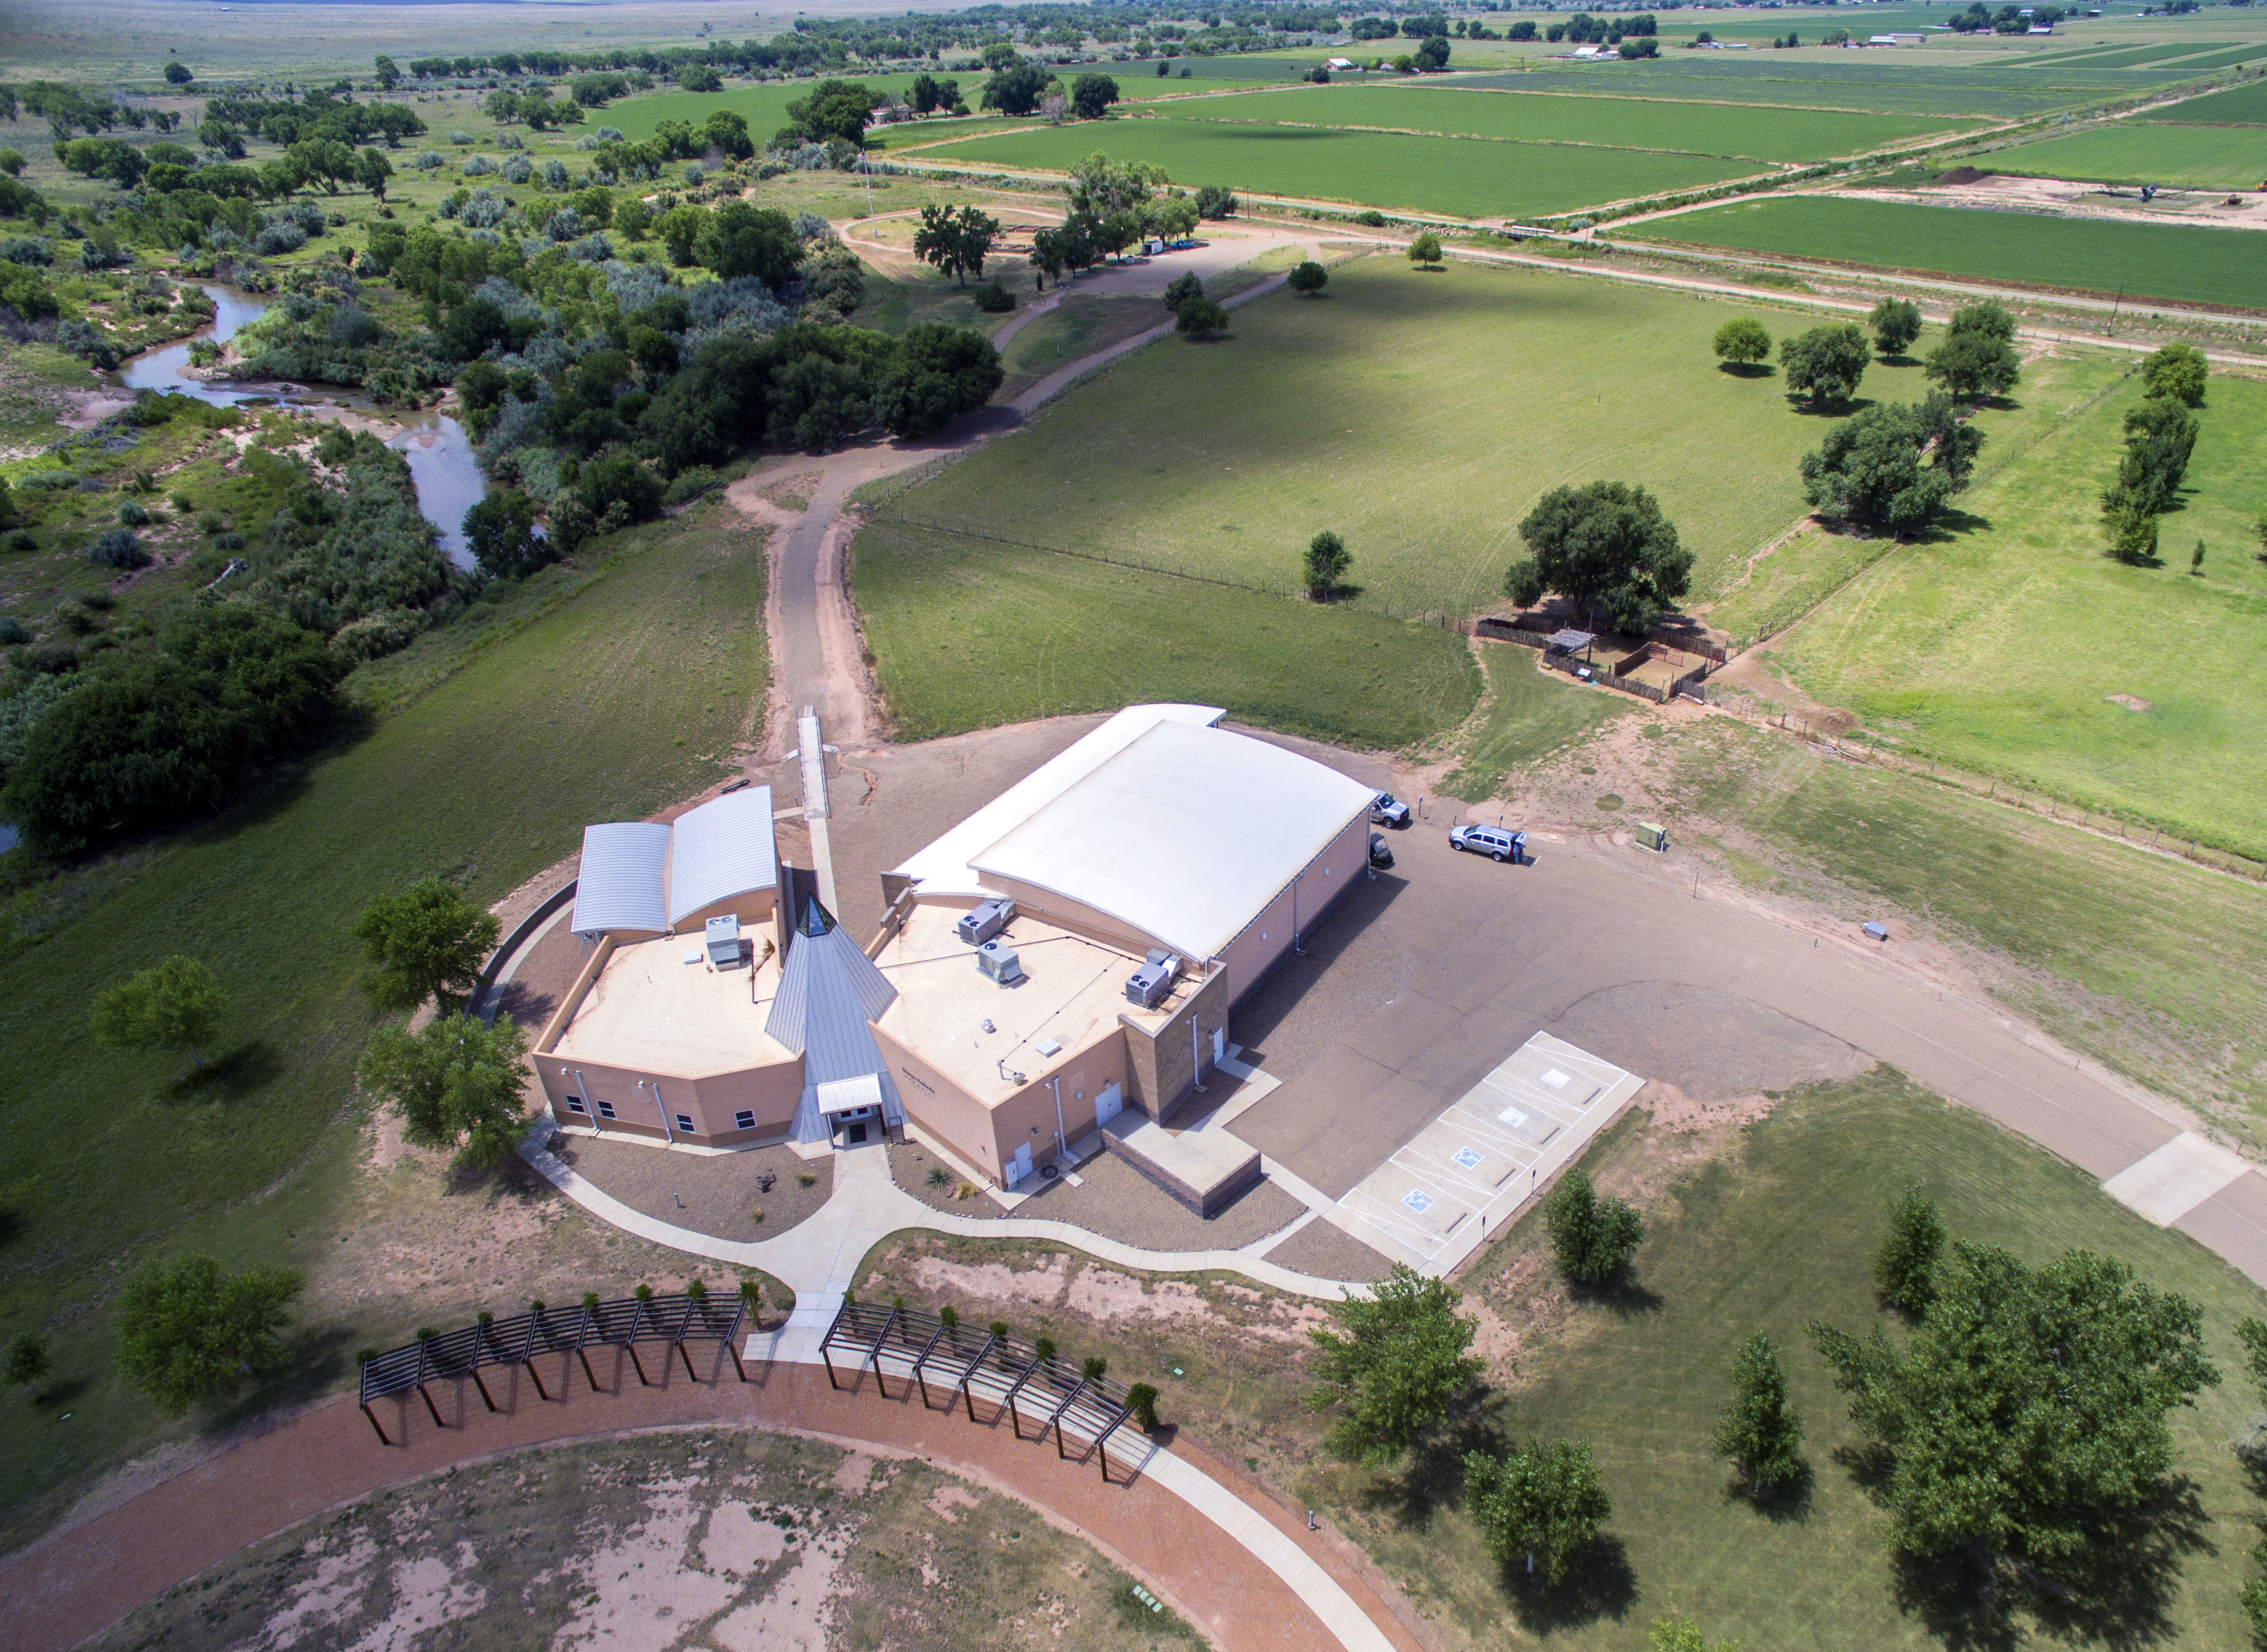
(1093, 637)
(2177, 262)
(1767, 135)
(1528, 715)
(1998, 646)
(1469, 397)
(2238, 105)
(621, 699)
(1782, 1234)
(1414, 173)
(2130, 152)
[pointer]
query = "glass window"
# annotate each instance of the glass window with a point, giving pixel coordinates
(575, 1104)
(743, 1120)
(685, 1124)
(605, 1110)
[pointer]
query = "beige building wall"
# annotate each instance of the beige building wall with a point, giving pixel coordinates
(987, 1136)
(770, 1091)
(1329, 876)
(756, 906)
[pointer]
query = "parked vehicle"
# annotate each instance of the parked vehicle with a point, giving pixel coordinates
(1386, 810)
(1380, 855)
(1492, 842)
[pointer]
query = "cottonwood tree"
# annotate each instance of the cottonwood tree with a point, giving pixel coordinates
(1594, 1238)
(1892, 467)
(955, 239)
(1742, 343)
(936, 374)
(1904, 1267)
(500, 533)
(1100, 186)
(1896, 323)
(188, 1333)
(1016, 90)
(1325, 564)
(1825, 363)
(2026, 1417)
(1308, 278)
(1091, 95)
(1761, 1434)
(427, 942)
(1608, 546)
(1977, 357)
(455, 1083)
(1426, 249)
(177, 1003)
(1390, 1364)
(2179, 371)
(1543, 1500)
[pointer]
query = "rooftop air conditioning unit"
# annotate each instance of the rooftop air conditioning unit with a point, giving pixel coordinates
(997, 959)
(723, 937)
(1148, 985)
(979, 924)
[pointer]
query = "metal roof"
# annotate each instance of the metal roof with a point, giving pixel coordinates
(829, 992)
(1187, 833)
(620, 883)
(1570, 640)
(945, 866)
(723, 849)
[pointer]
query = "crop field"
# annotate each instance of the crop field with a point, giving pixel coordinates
(1223, 459)
(2238, 105)
(2178, 262)
(1767, 135)
(2015, 647)
(623, 697)
(2130, 152)
(1381, 169)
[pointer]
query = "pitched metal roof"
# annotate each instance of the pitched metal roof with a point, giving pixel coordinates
(723, 849)
(829, 995)
(620, 883)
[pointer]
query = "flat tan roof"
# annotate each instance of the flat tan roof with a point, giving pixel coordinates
(650, 1011)
(1073, 991)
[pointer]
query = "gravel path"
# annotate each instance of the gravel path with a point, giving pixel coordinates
(1328, 1250)
(720, 1193)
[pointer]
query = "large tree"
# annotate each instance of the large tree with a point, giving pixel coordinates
(1091, 95)
(1897, 324)
(2177, 371)
(1594, 1238)
(1543, 1500)
(1390, 1364)
(936, 374)
(1102, 185)
(500, 533)
(427, 942)
(1825, 363)
(834, 109)
(1760, 1434)
(1977, 357)
(739, 239)
(456, 1083)
(1016, 90)
(175, 1004)
(1742, 343)
(2161, 434)
(188, 1333)
(1891, 468)
(1608, 546)
(955, 239)
(2027, 1410)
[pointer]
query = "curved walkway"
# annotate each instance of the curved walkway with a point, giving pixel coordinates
(1273, 1586)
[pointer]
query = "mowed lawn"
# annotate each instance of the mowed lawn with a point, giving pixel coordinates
(1999, 646)
(1419, 415)
(1781, 1236)
(1698, 128)
(625, 697)
(1457, 176)
(2134, 153)
(2181, 263)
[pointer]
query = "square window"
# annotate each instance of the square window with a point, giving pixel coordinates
(605, 1110)
(575, 1104)
(1417, 1202)
(1468, 1158)
(685, 1124)
(744, 1119)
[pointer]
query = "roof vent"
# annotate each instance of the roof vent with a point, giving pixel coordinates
(1048, 1047)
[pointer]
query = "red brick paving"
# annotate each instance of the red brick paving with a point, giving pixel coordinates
(78, 1581)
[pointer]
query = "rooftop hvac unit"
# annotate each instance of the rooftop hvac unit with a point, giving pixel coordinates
(722, 938)
(1148, 985)
(979, 924)
(997, 959)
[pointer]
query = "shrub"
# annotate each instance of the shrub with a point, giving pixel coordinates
(1309, 278)
(1593, 1238)
(1200, 318)
(118, 549)
(994, 298)
(278, 239)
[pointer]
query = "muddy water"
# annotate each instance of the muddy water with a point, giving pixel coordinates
(440, 454)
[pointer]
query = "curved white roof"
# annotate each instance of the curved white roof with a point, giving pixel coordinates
(723, 849)
(1186, 832)
(620, 882)
(945, 866)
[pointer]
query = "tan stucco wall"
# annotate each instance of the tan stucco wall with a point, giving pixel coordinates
(755, 907)
(1255, 950)
(987, 1136)
(770, 1091)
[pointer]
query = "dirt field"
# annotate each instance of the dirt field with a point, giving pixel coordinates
(736, 1543)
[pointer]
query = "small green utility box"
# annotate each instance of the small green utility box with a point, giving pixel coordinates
(1650, 836)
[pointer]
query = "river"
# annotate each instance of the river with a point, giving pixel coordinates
(440, 454)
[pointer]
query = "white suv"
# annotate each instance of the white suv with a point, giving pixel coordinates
(1492, 842)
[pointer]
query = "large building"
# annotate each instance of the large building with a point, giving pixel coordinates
(1073, 948)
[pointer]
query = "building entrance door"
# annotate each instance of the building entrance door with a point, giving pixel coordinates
(1020, 1166)
(1109, 1103)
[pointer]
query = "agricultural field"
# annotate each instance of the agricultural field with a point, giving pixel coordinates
(1411, 173)
(2015, 647)
(1764, 134)
(2238, 105)
(2177, 262)
(519, 745)
(1470, 400)
(2134, 153)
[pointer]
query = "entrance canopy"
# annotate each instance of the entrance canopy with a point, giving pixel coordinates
(849, 1095)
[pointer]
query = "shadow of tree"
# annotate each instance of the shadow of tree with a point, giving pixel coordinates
(1747, 370)
(1621, 1295)
(231, 1076)
(1431, 1477)
(1600, 1584)
(1829, 409)
(1786, 1503)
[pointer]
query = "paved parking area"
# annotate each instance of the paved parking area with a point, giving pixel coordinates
(1466, 1174)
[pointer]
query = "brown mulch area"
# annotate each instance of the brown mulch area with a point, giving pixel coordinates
(716, 1195)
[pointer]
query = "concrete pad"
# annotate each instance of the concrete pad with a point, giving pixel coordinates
(1469, 1172)
(1203, 1168)
(2175, 1179)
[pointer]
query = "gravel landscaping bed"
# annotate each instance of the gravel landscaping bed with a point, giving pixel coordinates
(910, 1163)
(715, 1195)
(1327, 1251)
(1120, 1203)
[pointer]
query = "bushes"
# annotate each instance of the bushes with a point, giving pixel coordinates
(937, 374)
(118, 549)
(500, 532)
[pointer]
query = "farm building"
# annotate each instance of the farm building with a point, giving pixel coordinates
(1070, 950)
